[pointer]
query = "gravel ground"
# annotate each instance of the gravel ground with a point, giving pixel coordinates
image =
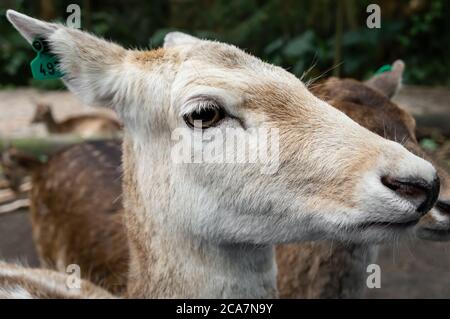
(409, 270)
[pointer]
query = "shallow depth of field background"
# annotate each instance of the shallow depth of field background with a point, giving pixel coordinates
(327, 37)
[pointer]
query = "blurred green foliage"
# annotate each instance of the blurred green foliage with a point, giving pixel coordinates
(298, 35)
(429, 144)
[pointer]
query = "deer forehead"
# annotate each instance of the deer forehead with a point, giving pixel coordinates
(224, 71)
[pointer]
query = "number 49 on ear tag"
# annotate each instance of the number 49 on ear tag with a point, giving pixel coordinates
(45, 65)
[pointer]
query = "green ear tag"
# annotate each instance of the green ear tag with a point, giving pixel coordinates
(45, 65)
(384, 68)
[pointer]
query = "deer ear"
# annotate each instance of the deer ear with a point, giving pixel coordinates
(179, 38)
(91, 66)
(389, 82)
(28, 27)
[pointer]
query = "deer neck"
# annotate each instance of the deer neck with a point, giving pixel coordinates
(169, 263)
(347, 277)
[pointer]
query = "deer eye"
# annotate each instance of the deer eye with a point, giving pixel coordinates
(205, 118)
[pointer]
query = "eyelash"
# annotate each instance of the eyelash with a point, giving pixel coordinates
(210, 113)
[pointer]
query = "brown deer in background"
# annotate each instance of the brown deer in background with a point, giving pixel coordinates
(86, 125)
(88, 178)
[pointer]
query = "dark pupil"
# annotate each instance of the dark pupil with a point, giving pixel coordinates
(204, 115)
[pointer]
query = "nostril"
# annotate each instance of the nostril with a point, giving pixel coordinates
(443, 207)
(406, 187)
(415, 189)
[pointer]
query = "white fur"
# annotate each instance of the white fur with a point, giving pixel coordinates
(14, 292)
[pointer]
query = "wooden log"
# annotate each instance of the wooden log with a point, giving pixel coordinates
(8, 195)
(11, 207)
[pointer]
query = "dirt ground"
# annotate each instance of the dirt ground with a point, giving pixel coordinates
(16, 242)
(414, 269)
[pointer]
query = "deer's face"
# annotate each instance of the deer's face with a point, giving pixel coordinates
(374, 110)
(333, 178)
(332, 174)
